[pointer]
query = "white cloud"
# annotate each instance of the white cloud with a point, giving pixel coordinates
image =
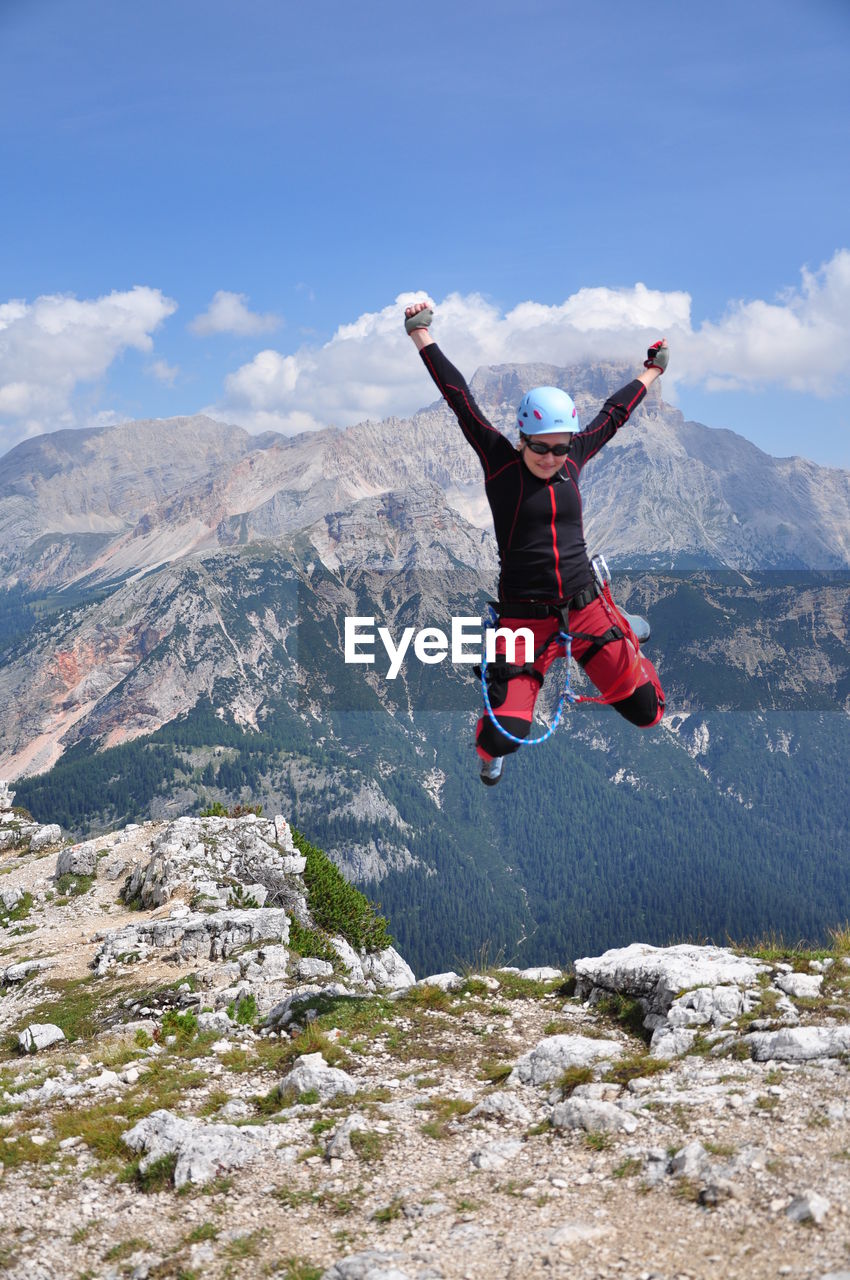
(164, 372)
(228, 313)
(368, 368)
(50, 346)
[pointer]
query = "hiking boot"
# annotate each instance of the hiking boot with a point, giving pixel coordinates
(491, 770)
(639, 625)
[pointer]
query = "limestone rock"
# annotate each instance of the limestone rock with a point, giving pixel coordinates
(501, 1106)
(799, 1044)
(800, 986)
(576, 1233)
(593, 1116)
(657, 975)
(40, 1035)
(204, 1151)
(387, 969)
(44, 837)
(809, 1206)
(540, 973)
(23, 970)
(339, 1143)
(194, 934)
(691, 1161)
(9, 898)
(376, 1264)
(312, 1074)
(495, 1155)
(666, 1043)
(549, 1059)
(78, 860)
(450, 981)
(311, 968)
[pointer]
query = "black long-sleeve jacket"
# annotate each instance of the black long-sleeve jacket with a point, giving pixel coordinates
(538, 523)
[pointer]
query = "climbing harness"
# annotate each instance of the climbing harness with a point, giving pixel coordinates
(625, 686)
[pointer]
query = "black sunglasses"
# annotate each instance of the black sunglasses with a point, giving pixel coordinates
(537, 446)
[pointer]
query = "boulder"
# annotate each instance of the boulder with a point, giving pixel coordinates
(800, 986)
(311, 1074)
(548, 1060)
(40, 1035)
(450, 981)
(593, 1116)
(495, 1155)
(204, 1151)
(311, 968)
(78, 860)
(809, 1206)
(501, 1106)
(45, 836)
(388, 969)
(23, 970)
(798, 1044)
(657, 975)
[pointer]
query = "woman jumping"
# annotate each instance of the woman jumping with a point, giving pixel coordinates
(546, 583)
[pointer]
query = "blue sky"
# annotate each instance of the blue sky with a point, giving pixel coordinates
(310, 164)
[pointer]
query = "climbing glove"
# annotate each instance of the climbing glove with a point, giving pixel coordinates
(421, 320)
(658, 357)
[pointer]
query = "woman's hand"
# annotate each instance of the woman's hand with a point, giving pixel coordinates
(657, 358)
(417, 318)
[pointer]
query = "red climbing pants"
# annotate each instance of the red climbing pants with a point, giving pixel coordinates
(626, 680)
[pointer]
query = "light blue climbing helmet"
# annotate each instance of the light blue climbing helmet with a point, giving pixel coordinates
(546, 410)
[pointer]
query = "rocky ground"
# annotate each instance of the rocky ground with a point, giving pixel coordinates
(201, 1075)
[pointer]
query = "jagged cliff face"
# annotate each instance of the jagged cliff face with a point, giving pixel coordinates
(99, 506)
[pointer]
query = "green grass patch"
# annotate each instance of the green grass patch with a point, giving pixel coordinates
(77, 1005)
(513, 987)
(206, 1231)
(428, 997)
(626, 1013)
(18, 912)
(445, 1111)
(184, 1026)
(247, 1246)
(73, 886)
(597, 1141)
(634, 1067)
(158, 1176)
(125, 1248)
(572, 1078)
(313, 1040)
(367, 1145)
(389, 1212)
(627, 1168)
(495, 1071)
(297, 1269)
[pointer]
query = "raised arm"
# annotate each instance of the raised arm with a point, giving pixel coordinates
(618, 408)
(495, 451)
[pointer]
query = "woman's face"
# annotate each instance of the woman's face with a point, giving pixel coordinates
(544, 465)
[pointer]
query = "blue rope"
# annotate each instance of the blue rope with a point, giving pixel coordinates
(567, 640)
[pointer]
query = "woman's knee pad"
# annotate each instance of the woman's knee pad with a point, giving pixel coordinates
(643, 708)
(495, 743)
